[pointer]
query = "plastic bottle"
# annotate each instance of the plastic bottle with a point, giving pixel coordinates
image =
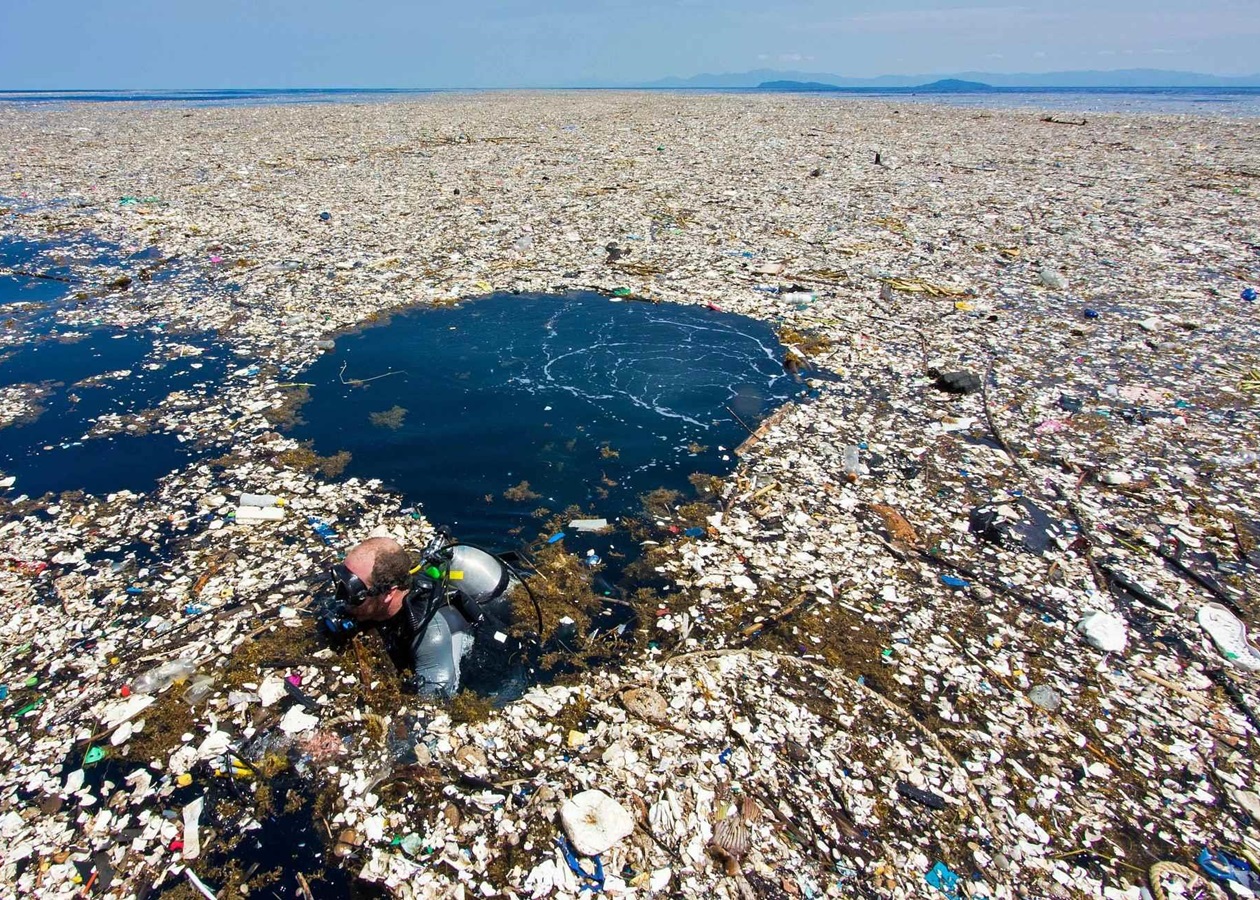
(259, 514)
(261, 500)
(163, 675)
(852, 465)
(1244, 458)
(198, 690)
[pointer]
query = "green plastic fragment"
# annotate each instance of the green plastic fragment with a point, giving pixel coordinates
(94, 755)
(32, 681)
(28, 708)
(621, 292)
(397, 839)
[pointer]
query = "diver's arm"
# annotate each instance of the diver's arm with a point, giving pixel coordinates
(436, 654)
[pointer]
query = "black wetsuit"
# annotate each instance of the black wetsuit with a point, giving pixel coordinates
(434, 643)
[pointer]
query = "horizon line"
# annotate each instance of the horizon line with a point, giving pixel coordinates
(623, 87)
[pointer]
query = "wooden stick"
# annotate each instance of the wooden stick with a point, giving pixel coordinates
(1171, 685)
(756, 627)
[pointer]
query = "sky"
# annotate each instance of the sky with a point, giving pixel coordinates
(177, 44)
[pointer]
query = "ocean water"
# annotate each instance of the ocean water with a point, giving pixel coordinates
(88, 370)
(1232, 102)
(589, 401)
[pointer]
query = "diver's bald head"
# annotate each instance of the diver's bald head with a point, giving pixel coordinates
(381, 563)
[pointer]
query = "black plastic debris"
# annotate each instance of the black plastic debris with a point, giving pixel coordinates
(1070, 404)
(961, 382)
(985, 523)
(1128, 588)
(918, 795)
(1034, 534)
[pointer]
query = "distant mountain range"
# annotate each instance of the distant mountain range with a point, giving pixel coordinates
(1116, 78)
(944, 86)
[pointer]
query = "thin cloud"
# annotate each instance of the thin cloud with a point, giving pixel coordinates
(785, 57)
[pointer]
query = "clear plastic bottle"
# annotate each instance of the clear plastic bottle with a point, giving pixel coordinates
(852, 464)
(198, 690)
(163, 675)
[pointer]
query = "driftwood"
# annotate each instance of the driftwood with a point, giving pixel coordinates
(768, 423)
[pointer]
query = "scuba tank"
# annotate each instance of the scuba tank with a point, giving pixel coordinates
(477, 584)
(475, 576)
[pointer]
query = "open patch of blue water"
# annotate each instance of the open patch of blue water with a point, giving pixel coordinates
(77, 374)
(590, 401)
(54, 453)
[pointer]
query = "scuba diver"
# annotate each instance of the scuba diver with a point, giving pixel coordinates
(432, 615)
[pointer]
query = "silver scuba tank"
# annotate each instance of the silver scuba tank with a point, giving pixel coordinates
(476, 576)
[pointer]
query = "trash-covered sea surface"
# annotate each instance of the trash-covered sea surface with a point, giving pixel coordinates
(499, 413)
(970, 616)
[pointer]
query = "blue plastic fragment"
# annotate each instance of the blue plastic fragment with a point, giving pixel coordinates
(1091, 313)
(322, 528)
(725, 756)
(4, 692)
(558, 536)
(133, 590)
(1248, 294)
(693, 532)
(953, 581)
(1225, 867)
(945, 880)
(596, 879)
